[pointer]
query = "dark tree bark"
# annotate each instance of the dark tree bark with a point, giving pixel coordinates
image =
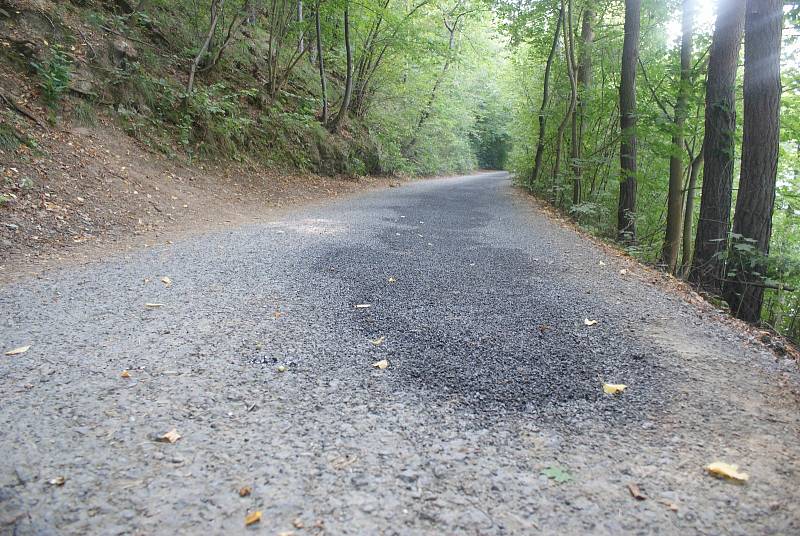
(584, 86)
(348, 85)
(321, 64)
(688, 214)
(537, 162)
(752, 221)
(718, 147)
(626, 210)
(672, 236)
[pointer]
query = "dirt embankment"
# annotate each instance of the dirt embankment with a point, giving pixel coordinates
(72, 192)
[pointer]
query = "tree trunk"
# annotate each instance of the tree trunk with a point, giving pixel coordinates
(301, 44)
(752, 221)
(672, 237)
(321, 63)
(566, 25)
(537, 163)
(626, 210)
(585, 84)
(216, 10)
(348, 85)
(719, 148)
(688, 214)
(572, 67)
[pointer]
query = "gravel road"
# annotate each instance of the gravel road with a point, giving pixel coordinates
(260, 356)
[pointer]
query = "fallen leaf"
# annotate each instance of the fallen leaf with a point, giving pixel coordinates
(281, 368)
(602, 263)
(298, 523)
(286, 533)
(727, 470)
(589, 322)
(624, 271)
(245, 491)
(392, 280)
(125, 374)
(253, 517)
(277, 314)
(557, 473)
(669, 504)
(363, 305)
(58, 481)
(153, 305)
(636, 493)
(170, 437)
(167, 281)
(378, 341)
(20, 350)
(382, 364)
(614, 388)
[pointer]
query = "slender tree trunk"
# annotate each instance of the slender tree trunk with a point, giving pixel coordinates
(572, 67)
(321, 62)
(537, 163)
(672, 237)
(688, 214)
(301, 44)
(562, 127)
(755, 201)
(708, 266)
(585, 84)
(626, 210)
(216, 11)
(348, 86)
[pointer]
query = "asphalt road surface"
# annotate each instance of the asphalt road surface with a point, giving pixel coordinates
(489, 419)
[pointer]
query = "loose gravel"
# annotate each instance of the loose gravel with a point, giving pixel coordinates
(259, 358)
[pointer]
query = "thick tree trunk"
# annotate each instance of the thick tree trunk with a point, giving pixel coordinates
(570, 113)
(672, 237)
(348, 85)
(718, 147)
(626, 210)
(537, 162)
(321, 63)
(752, 221)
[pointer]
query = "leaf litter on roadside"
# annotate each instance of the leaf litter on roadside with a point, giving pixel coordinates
(382, 364)
(18, 351)
(559, 474)
(636, 493)
(614, 388)
(378, 341)
(727, 471)
(588, 322)
(170, 437)
(252, 518)
(167, 281)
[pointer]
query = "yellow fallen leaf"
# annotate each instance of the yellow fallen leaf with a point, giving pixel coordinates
(20, 350)
(727, 470)
(58, 481)
(392, 280)
(382, 364)
(281, 368)
(613, 388)
(153, 305)
(253, 517)
(167, 281)
(170, 437)
(125, 374)
(589, 322)
(245, 491)
(378, 341)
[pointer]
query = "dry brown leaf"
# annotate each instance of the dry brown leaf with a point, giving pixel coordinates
(20, 350)
(125, 374)
(382, 364)
(669, 504)
(378, 341)
(252, 518)
(245, 491)
(153, 305)
(170, 437)
(589, 322)
(58, 481)
(614, 388)
(167, 281)
(727, 470)
(636, 493)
